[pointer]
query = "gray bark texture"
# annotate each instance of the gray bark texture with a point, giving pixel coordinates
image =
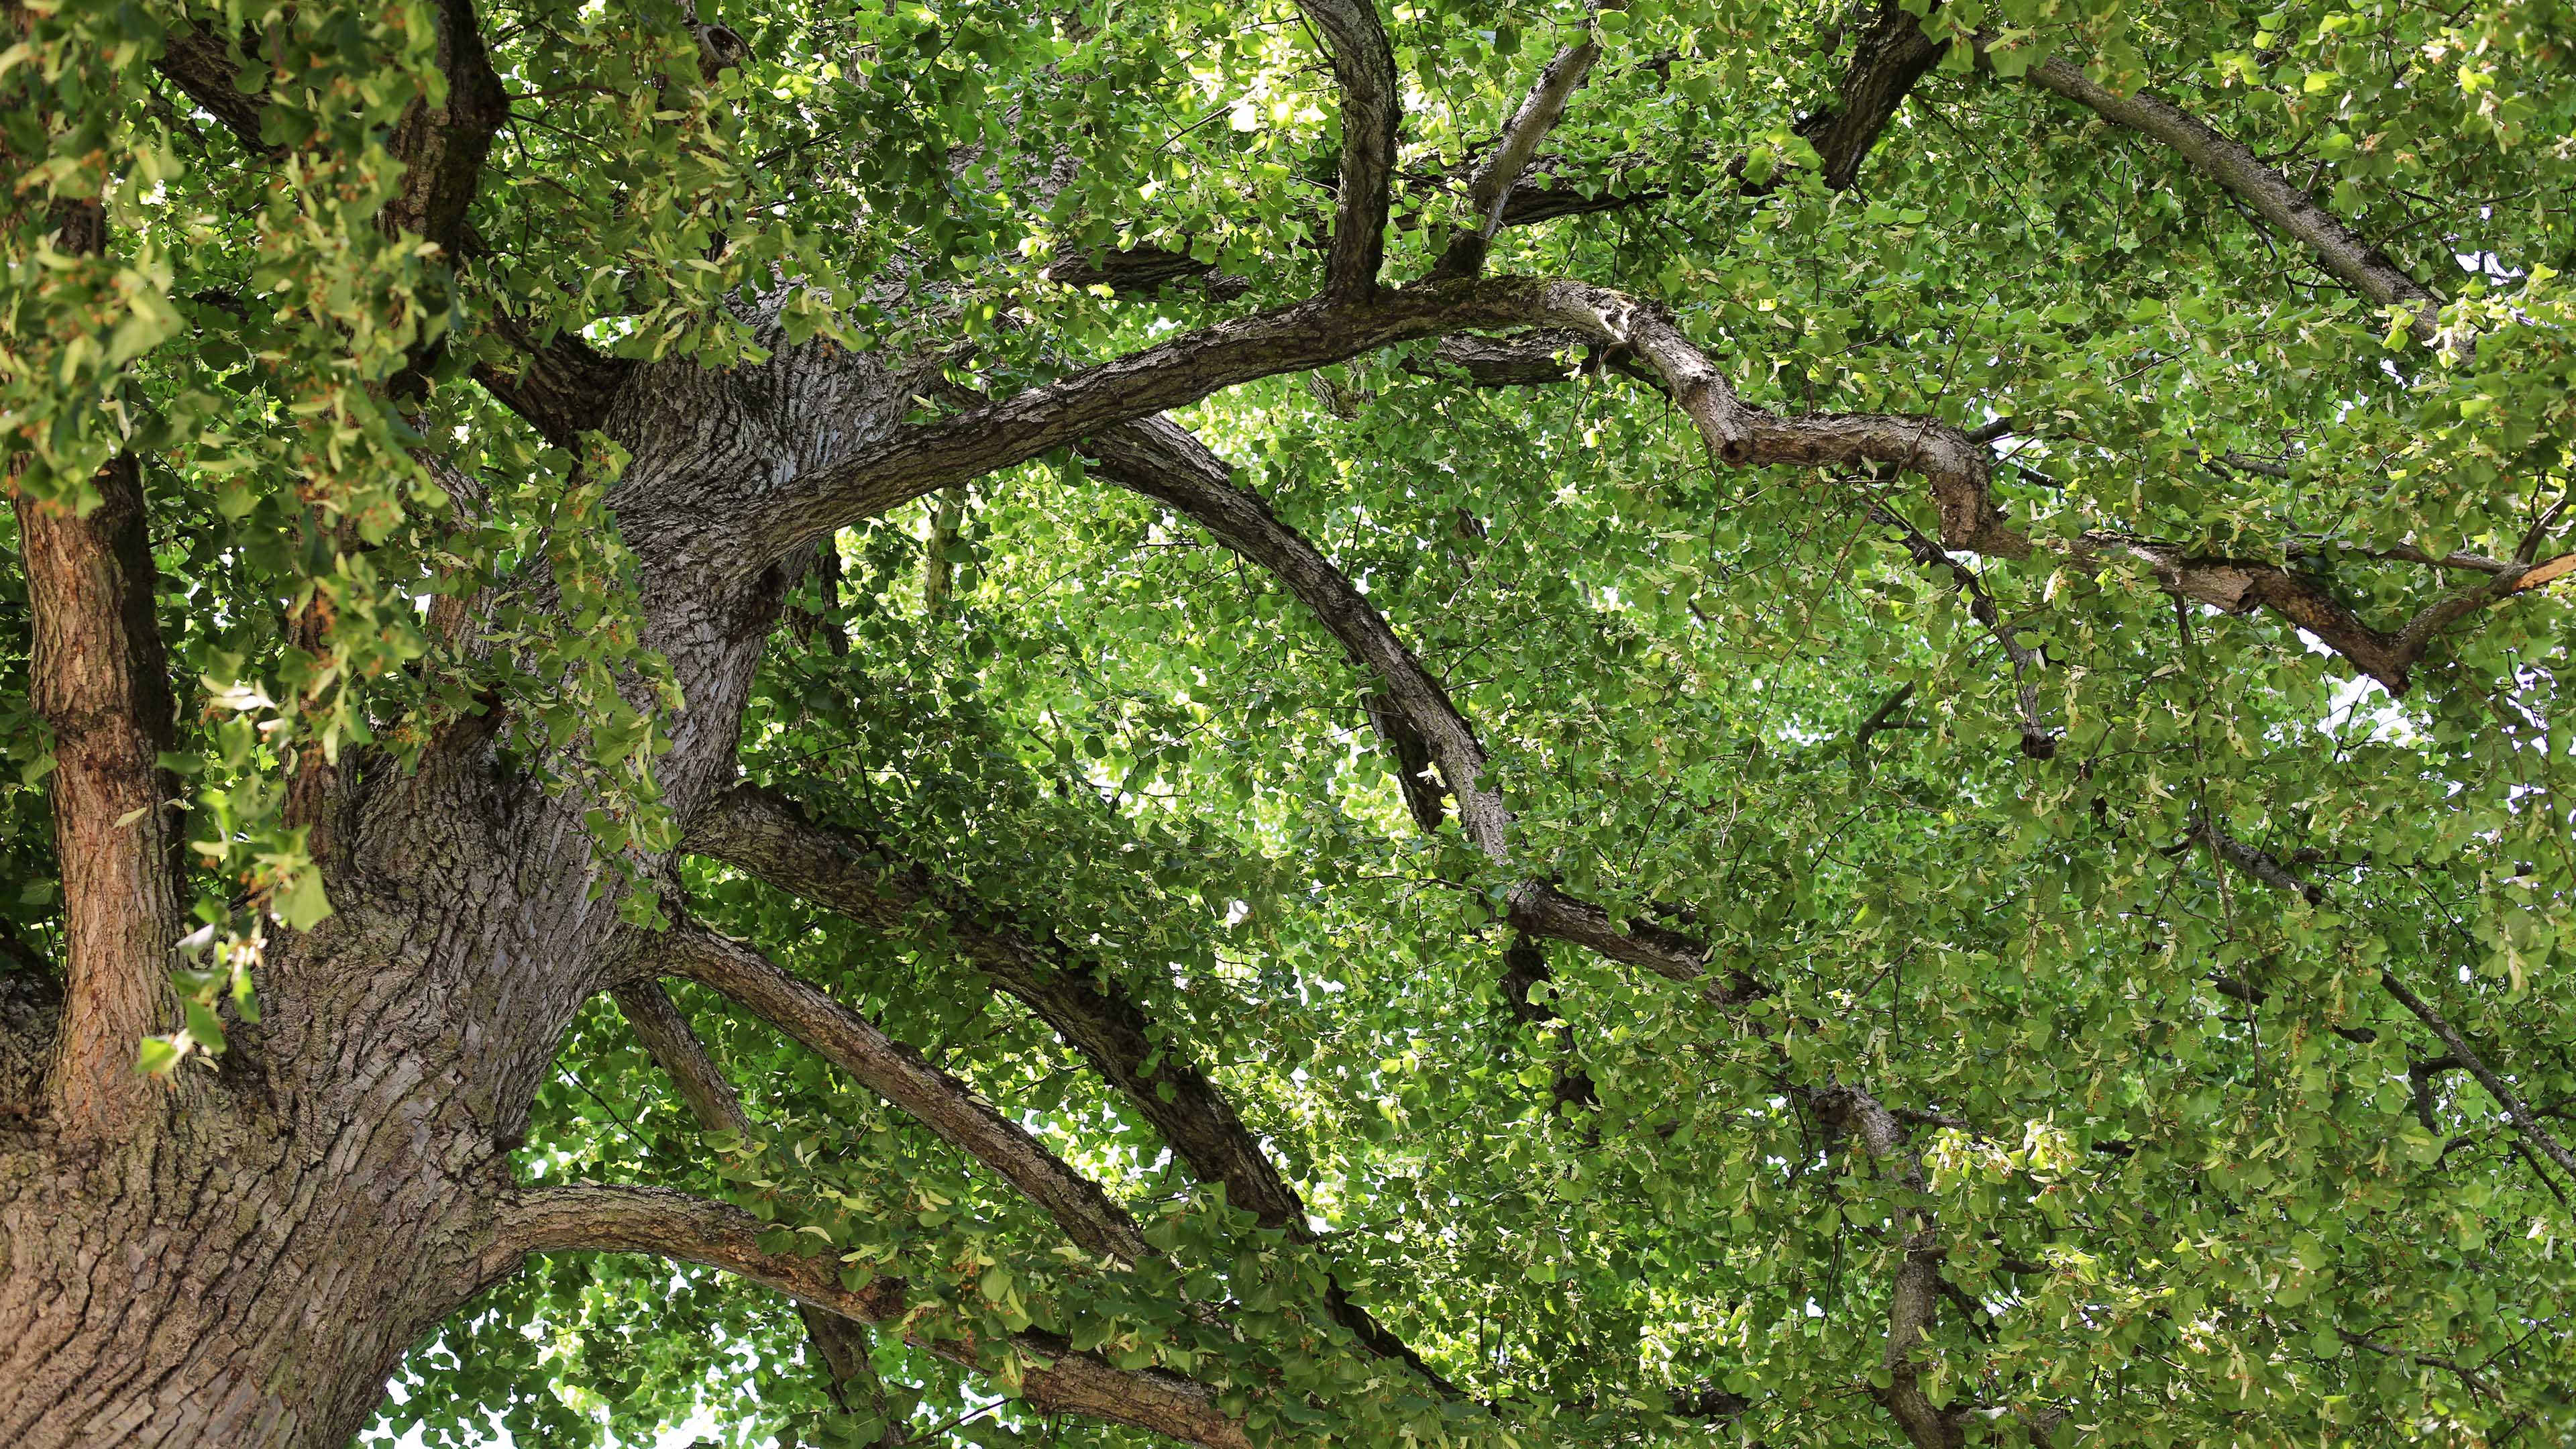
(246, 1256)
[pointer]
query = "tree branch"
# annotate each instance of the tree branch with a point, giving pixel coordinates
(772, 839)
(1490, 189)
(730, 538)
(2340, 250)
(1889, 58)
(894, 1071)
(597, 1217)
(2262, 866)
(664, 1034)
(839, 1345)
(1914, 1299)
(1161, 460)
(442, 145)
(1372, 102)
(2238, 586)
(99, 677)
(561, 387)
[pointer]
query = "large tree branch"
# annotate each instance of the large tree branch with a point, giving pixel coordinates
(2263, 866)
(894, 1071)
(738, 536)
(561, 387)
(594, 1217)
(99, 677)
(1160, 459)
(2341, 251)
(665, 1035)
(442, 144)
(840, 1345)
(772, 839)
(1372, 104)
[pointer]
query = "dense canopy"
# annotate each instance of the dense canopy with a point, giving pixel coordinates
(977, 721)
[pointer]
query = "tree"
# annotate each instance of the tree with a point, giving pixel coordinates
(1667, 723)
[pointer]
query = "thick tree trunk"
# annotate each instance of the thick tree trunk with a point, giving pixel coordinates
(232, 1287)
(247, 1263)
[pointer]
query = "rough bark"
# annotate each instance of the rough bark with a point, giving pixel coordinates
(240, 1282)
(248, 1272)
(101, 681)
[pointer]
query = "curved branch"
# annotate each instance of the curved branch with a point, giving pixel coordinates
(1372, 103)
(770, 837)
(912, 461)
(599, 1217)
(894, 1071)
(2339, 249)
(1161, 460)
(840, 1346)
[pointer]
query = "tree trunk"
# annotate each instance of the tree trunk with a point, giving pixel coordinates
(233, 1286)
(248, 1264)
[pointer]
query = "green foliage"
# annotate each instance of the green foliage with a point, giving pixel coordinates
(2183, 1215)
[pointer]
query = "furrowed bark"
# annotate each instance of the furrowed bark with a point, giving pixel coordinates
(101, 681)
(442, 145)
(894, 1071)
(1888, 60)
(561, 387)
(588, 1217)
(1372, 104)
(2342, 252)
(99, 677)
